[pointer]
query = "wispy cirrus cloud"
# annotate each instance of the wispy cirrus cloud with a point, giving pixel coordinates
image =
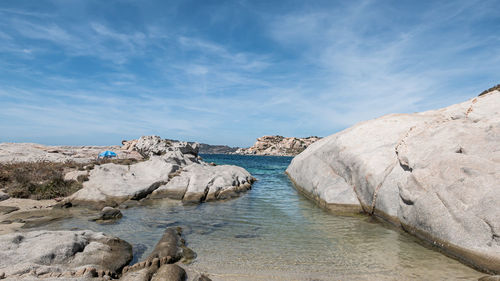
(90, 72)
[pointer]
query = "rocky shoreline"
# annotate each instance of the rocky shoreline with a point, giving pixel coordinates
(160, 169)
(278, 146)
(434, 174)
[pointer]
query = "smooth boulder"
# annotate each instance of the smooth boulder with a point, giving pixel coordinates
(111, 184)
(47, 254)
(198, 183)
(435, 174)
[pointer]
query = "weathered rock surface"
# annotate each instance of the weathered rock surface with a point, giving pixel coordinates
(278, 146)
(110, 184)
(32, 152)
(66, 254)
(155, 145)
(198, 183)
(435, 174)
(159, 265)
(173, 170)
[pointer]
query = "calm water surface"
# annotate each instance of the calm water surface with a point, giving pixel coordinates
(273, 233)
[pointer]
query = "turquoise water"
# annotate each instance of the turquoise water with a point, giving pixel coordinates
(273, 233)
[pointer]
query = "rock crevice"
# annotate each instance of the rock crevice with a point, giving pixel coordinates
(433, 173)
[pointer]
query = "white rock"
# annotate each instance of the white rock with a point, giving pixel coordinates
(434, 173)
(197, 183)
(111, 184)
(39, 253)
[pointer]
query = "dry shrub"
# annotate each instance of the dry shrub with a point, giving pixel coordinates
(497, 87)
(38, 180)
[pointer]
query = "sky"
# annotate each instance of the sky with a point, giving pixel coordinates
(227, 72)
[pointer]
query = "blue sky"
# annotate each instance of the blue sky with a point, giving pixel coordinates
(227, 72)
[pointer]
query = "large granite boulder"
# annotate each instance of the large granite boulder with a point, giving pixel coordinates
(111, 184)
(435, 174)
(197, 183)
(173, 174)
(155, 145)
(65, 254)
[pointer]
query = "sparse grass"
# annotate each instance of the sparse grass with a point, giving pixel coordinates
(38, 180)
(45, 180)
(497, 87)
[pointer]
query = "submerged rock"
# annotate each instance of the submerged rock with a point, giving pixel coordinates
(51, 254)
(434, 173)
(108, 214)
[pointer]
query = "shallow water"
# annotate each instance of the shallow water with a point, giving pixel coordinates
(273, 233)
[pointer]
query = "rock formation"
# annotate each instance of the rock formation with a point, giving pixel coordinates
(65, 254)
(278, 146)
(32, 152)
(88, 255)
(173, 167)
(435, 174)
(160, 264)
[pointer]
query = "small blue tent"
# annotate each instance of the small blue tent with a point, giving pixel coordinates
(107, 154)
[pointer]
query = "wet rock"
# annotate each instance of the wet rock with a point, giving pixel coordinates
(201, 277)
(51, 253)
(108, 214)
(170, 245)
(169, 249)
(171, 272)
(435, 174)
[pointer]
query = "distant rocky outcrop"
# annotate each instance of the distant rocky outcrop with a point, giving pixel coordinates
(32, 152)
(436, 174)
(278, 146)
(216, 149)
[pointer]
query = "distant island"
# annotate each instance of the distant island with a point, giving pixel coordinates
(216, 149)
(278, 146)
